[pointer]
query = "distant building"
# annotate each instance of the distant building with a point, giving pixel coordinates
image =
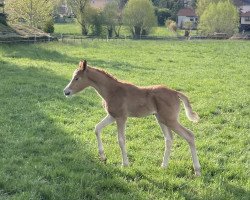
(244, 10)
(99, 3)
(1, 6)
(243, 5)
(187, 15)
(245, 21)
(65, 14)
(65, 10)
(2, 14)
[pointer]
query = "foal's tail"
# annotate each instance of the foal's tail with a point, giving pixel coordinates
(192, 116)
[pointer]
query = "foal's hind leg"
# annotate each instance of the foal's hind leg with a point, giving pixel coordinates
(168, 136)
(106, 121)
(189, 137)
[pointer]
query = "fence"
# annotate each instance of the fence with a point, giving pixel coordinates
(80, 39)
(77, 39)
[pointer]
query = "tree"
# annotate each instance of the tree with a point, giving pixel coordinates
(79, 8)
(192, 4)
(139, 16)
(162, 15)
(49, 27)
(172, 5)
(95, 19)
(222, 17)
(34, 12)
(201, 5)
(112, 18)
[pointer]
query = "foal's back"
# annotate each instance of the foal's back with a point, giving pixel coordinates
(143, 101)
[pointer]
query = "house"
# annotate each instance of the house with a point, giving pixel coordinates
(65, 14)
(244, 9)
(3, 16)
(187, 15)
(65, 10)
(1, 6)
(242, 5)
(245, 21)
(99, 3)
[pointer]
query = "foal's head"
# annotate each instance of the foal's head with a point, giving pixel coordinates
(79, 80)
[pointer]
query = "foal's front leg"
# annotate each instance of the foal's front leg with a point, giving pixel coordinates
(106, 121)
(121, 125)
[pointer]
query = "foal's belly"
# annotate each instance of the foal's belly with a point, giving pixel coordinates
(140, 110)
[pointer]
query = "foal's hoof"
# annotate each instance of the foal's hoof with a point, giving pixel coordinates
(164, 166)
(125, 164)
(103, 159)
(198, 173)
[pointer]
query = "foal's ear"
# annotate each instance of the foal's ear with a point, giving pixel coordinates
(83, 65)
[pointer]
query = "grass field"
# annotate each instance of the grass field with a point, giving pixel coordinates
(48, 148)
(75, 29)
(68, 28)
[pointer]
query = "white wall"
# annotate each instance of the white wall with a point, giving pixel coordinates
(183, 19)
(243, 21)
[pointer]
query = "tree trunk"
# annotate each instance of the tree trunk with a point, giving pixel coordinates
(84, 30)
(110, 31)
(117, 31)
(137, 32)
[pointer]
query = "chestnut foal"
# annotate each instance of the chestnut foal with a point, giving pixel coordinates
(123, 100)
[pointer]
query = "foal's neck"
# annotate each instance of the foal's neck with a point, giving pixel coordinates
(101, 81)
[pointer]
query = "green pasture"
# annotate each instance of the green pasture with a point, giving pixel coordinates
(48, 148)
(68, 28)
(75, 29)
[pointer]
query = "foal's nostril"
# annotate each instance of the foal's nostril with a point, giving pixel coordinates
(67, 93)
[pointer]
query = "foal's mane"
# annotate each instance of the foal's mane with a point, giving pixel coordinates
(105, 73)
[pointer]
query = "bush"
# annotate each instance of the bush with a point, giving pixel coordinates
(49, 27)
(96, 21)
(112, 18)
(171, 25)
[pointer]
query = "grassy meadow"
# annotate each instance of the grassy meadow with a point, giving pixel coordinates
(75, 29)
(48, 148)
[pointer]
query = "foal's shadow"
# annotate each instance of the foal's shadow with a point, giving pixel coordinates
(44, 158)
(37, 52)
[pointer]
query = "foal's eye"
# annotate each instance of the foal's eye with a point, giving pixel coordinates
(76, 78)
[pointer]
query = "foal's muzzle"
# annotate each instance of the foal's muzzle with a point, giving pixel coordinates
(67, 92)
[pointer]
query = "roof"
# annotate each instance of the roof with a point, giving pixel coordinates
(239, 3)
(188, 12)
(246, 2)
(246, 14)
